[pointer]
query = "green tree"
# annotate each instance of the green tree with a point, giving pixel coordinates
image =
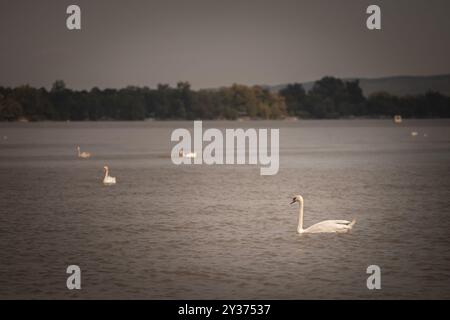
(10, 109)
(295, 99)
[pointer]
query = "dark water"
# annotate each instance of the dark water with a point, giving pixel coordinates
(224, 231)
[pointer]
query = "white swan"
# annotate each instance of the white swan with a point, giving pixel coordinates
(108, 179)
(83, 155)
(181, 154)
(327, 226)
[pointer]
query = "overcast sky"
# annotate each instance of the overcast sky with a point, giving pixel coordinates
(213, 43)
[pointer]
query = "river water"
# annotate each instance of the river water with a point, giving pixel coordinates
(224, 231)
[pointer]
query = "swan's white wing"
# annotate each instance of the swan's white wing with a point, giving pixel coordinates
(341, 221)
(329, 226)
(109, 180)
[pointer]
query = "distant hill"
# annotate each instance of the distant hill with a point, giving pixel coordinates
(398, 85)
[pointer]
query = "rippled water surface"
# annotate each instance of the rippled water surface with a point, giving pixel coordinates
(167, 231)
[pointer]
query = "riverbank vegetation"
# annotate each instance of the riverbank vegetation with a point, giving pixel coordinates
(328, 98)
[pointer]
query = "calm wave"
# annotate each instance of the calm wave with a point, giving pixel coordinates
(167, 231)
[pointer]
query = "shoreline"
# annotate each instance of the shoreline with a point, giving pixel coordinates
(222, 120)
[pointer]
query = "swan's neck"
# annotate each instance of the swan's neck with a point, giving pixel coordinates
(106, 173)
(78, 151)
(300, 217)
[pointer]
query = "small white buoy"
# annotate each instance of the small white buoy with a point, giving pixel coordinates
(397, 119)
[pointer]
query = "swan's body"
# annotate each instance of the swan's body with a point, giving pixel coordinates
(187, 155)
(108, 179)
(327, 226)
(191, 155)
(83, 155)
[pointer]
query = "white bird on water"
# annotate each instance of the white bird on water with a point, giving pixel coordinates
(181, 154)
(108, 179)
(327, 226)
(83, 155)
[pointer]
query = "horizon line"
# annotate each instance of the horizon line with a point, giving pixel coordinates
(264, 85)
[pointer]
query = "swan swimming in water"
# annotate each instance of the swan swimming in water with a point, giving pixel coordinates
(83, 155)
(327, 226)
(108, 179)
(181, 154)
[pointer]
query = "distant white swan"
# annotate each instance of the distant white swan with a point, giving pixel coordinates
(181, 154)
(414, 134)
(108, 179)
(83, 155)
(327, 226)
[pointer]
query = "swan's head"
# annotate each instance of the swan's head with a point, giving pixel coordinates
(298, 198)
(105, 167)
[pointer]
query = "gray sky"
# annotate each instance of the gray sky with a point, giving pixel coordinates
(214, 43)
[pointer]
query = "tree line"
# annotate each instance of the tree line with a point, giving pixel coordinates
(329, 98)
